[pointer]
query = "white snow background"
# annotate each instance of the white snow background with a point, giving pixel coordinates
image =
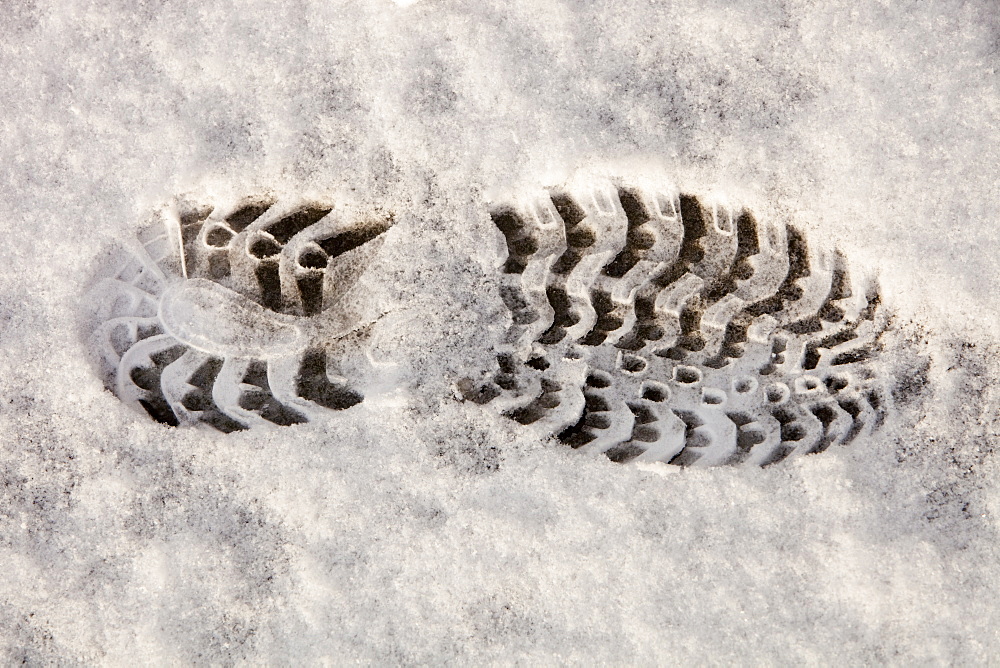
(416, 529)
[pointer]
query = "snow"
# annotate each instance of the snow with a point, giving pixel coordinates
(418, 529)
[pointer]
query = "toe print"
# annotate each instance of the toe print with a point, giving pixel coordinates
(677, 330)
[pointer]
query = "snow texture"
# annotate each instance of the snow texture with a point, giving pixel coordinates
(416, 528)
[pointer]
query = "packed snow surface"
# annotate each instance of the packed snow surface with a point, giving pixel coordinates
(415, 528)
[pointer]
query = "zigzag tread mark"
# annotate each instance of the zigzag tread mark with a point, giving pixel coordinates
(733, 300)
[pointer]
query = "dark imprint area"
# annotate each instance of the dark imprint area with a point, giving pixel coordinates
(798, 402)
(247, 251)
